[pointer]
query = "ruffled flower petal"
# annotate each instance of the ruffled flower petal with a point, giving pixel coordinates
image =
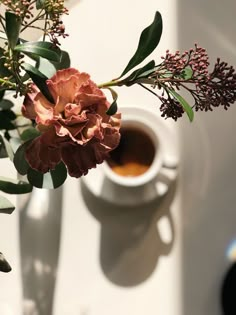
(43, 153)
(76, 129)
(64, 85)
(27, 109)
(93, 127)
(43, 109)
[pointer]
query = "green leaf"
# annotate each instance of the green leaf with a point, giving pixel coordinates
(187, 108)
(141, 72)
(4, 265)
(58, 175)
(6, 206)
(187, 73)
(49, 68)
(6, 116)
(40, 4)
(50, 180)
(13, 25)
(43, 49)
(148, 41)
(4, 72)
(40, 80)
(113, 108)
(29, 134)
(6, 104)
(3, 152)
(33, 57)
(7, 146)
(14, 186)
(35, 178)
(19, 160)
(2, 93)
(8, 113)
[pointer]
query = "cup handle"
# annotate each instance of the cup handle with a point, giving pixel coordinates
(164, 179)
(167, 239)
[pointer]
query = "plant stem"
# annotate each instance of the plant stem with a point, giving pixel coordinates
(7, 83)
(33, 21)
(149, 90)
(3, 25)
(45, 27)
(111, 83)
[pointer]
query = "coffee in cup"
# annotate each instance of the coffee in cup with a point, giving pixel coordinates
(134, 154)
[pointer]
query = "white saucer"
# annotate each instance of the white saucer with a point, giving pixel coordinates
(103, 188)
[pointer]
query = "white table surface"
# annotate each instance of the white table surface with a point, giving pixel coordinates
(117, 265)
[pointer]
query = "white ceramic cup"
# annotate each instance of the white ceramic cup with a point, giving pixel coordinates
(139, 120)
(107, 185)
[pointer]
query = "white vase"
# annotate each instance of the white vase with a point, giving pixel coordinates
(40, 231)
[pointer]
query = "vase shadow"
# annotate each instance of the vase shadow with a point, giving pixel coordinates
(40, 230)
(131, 242)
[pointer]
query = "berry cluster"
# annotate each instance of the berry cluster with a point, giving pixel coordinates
(196, 59)
(31, 16)
(54, 9)
(216, 89)
(189, 71)
(171, 108)
(21, 8)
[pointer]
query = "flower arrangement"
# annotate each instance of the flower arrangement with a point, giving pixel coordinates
(66, 125)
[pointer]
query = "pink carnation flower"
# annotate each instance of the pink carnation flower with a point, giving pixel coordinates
(76, 129)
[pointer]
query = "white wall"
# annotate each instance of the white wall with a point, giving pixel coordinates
(208, 176)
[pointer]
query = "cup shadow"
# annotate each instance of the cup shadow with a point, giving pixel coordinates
(130, 241)
(40, 230)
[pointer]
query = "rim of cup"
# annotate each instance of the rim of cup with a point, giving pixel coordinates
(139, 120)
